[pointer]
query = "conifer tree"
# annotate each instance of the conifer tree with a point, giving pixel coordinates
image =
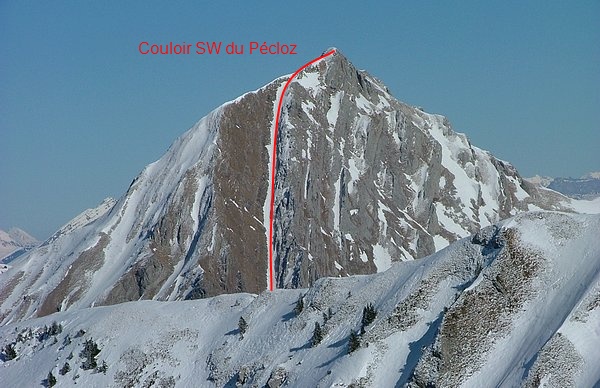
(89, 353)
(10, 352)
(317, 335)
(55, 328)
(51, 379)
(242, 326)
(353, 342)
(369, 315)
(102, 368)
(299, 305)
(65, 369)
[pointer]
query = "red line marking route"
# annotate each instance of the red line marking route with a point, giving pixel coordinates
(273, 162)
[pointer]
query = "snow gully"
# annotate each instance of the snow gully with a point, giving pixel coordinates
(271, 270)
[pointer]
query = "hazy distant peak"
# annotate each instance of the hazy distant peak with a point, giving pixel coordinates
(540, 180)
(592, 175)
(586, 187)
(15, 240)
(22, 236)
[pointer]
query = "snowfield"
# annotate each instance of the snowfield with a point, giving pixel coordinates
(514, 305)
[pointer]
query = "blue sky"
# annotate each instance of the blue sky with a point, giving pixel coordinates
(82, 112)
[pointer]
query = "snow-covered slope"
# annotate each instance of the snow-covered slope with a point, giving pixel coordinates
(86, 217)
(515, 305)
(362, 181)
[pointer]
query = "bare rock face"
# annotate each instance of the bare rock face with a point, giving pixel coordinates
(362, 180)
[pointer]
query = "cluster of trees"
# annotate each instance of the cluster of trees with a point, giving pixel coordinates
(89, 353)
(49, 331)
(369, 315)
(9, 351)
(25, 335)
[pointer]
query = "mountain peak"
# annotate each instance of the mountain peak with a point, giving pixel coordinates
(362, 180)
(339, 73)
(22, 237)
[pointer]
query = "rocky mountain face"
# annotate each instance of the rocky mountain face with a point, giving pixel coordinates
(362, 180)
(15, 242)
(515, 305)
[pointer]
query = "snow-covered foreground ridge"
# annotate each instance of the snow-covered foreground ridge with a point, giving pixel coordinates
(514, 305)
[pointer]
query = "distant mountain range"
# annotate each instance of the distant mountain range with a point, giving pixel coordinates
(15, 242)
(586, 187)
